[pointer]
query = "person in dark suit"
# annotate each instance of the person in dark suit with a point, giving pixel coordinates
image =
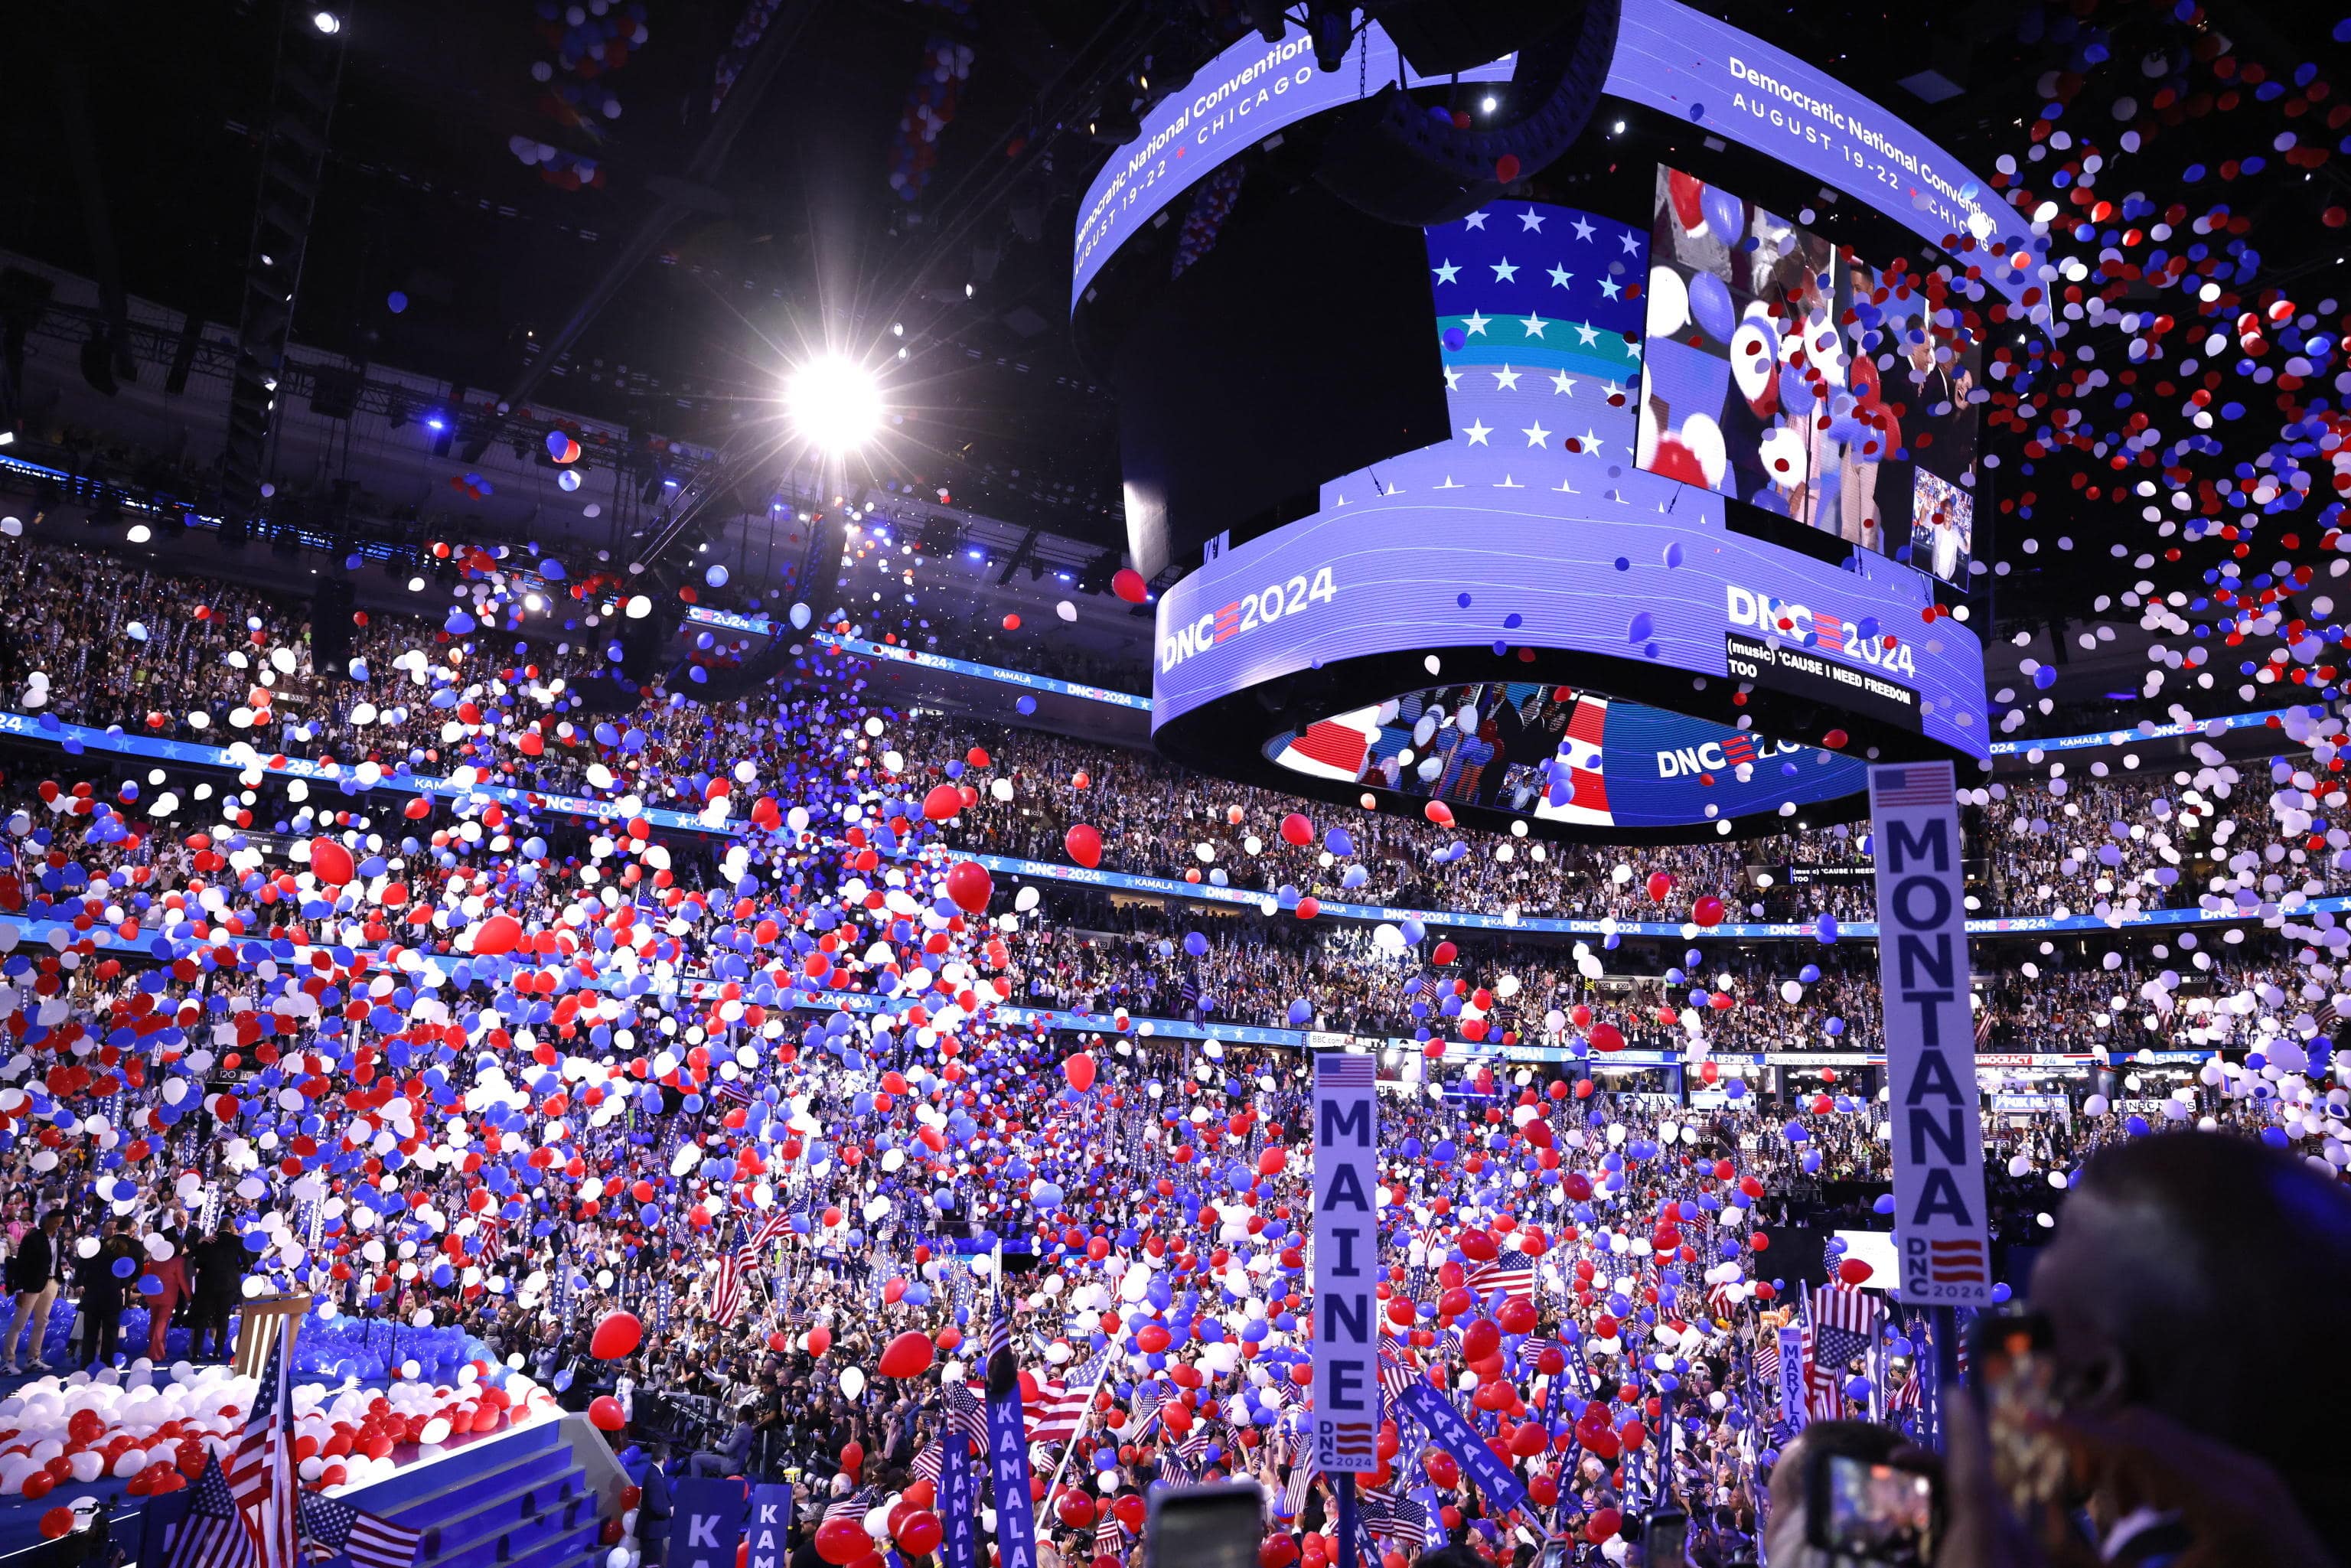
(653, 1502)
(105, 1290)
(218, 1264)
(36, 1274)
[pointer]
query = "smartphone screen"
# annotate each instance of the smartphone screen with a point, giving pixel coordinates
(1554, 1554)
(1879, 1513)
(2015, 1377)
(1205, 1527)
(1666, 1541)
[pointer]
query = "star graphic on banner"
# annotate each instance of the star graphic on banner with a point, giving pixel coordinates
(1506, 379)
(1452, 378)
(1531, 219)
(1475, 324)
(1477, 220)
(1535, 433)
(1611, 288)
(1477, 430)
(1631, 242)
(1585, 336)
(1504, 272)
(1613, 390)
(1582, 229)
(1534, 326)
(1591, 442)
(1559, 383)
(1445, 271)
(1559, 276)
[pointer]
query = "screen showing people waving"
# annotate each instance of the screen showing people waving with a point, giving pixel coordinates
(1788, 373)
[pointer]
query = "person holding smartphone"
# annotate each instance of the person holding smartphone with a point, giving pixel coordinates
(2181, 1266)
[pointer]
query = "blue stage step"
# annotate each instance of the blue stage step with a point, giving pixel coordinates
(526, 1499)
(533, 1497)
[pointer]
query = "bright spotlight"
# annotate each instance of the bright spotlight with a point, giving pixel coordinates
(328, 23)
(835, 403)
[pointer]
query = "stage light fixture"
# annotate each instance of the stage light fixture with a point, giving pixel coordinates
(1332, 27)
(834, 403)
(328, 23)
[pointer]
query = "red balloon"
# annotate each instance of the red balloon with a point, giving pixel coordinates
(1708, 911)
(616, 1336)
(604, 1414)
(841, 1542)
(1854, 1271)
(1437, 812)
(1659, 884)
(944, 800)
(819, 1340)
(1074, 1508)
(1083, 844)
(1128, 584)
(1603, 1524)
(970, 886)
(1297, 830)
(331, 862)
(908, 1355)
(1080, 1071)
(919, 1534)
(56, 1522)
(853, 1457)
(497, 934)
(1607, 1037)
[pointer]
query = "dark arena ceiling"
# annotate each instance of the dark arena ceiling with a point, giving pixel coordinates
(627, 244)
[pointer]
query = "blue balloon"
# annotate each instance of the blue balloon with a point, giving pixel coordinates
(1795, 392)
(1726, 216)
(1710, 307)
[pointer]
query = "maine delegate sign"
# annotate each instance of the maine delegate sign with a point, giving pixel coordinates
(1346, 1418)
(1940, 1227)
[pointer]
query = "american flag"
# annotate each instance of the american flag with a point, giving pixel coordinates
(1301, 1480)
(731, 1090)
(1062, 1403)
(1109, 1539)
(261, 1468)
(213, 1533)
(726, 1291)
(1512, 1272)
(931, 1461)
(1839, 1324)
(737, 1268)
(1767, 1356)
(856, 1505)
(1400, 1519)
(1917, 784)
(1530, 1349)
(335, 1527)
